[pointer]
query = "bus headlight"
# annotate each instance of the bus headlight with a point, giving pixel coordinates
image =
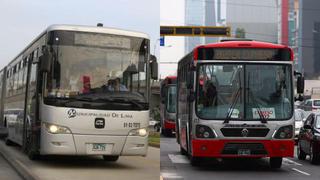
(204, 132)
(284, 132)
(55, 129)
(138, 132)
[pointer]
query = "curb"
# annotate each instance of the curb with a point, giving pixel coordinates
(17, 165)
(156, 145)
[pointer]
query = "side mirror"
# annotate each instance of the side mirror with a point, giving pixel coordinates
(307, 126)
(45, 60)
(154, 67)
(300, 84)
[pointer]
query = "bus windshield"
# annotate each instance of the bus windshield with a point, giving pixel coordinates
(85, 65)
(244, 91)
(171, 99)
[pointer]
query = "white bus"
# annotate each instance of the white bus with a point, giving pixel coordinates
(79, 90)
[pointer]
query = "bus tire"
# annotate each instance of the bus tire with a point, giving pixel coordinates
(195, 161)
(275, 162)
(301, 155)
(166, 132)
(30, 150)
(110, 158)
(8, 142)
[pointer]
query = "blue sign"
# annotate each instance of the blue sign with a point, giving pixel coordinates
(161, 40)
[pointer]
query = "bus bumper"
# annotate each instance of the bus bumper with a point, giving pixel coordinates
(74, 144)
(242, 148)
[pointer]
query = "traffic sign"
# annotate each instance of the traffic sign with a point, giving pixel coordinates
(214, 31)
(162, 41)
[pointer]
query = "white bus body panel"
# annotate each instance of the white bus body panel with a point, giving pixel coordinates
(84, 134)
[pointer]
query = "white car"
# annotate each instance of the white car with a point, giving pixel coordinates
(299, 116)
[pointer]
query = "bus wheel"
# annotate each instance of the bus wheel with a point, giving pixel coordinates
(195, 161)
(8, 142)
(301, 155)
(30, 151)
(275, 162)
(166, 132)
(110, 158)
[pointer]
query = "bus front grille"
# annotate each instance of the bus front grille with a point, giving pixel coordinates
(245, 132)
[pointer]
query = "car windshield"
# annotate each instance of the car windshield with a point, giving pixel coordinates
(244, 91)
(171, 99)
(92, 65)
(316, 102)
(317, 123)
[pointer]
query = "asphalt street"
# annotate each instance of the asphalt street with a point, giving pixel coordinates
(6, 171)
(177, 167)
(84, 168)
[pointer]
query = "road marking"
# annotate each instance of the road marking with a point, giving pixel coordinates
(302, 172)
(176, 158)
(167, 175)
(290, 162)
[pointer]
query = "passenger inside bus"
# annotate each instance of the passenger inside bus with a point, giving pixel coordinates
(115, 85)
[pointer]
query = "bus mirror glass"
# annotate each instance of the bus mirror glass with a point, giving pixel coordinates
(154, 67)
(300, 84)
(45, 63)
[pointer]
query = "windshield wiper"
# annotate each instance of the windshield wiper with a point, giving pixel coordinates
(262, 118)
(140, 105)
(233, 104)
(230, 111)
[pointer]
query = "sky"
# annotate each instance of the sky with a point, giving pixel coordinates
(22, 21)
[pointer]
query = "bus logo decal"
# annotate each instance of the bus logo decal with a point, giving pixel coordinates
(244, 132)
(99, 123)
(72, 113)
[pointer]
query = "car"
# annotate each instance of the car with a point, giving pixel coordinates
(154, 125)
(311, 105)
(299, 116)
(309, 138)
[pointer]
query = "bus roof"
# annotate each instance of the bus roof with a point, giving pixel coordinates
(96, 29)
(242, 44)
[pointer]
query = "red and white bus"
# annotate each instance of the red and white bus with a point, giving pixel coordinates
(236, 99)
(168, 105)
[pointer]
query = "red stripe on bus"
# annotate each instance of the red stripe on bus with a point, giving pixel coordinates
(214, 148)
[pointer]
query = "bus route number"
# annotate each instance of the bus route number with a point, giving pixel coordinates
(131, 125)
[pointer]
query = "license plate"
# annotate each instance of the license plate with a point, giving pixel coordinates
(244, 152)
(99, 148)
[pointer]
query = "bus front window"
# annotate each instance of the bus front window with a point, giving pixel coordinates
(244, 91)
(171, 99)
(92, 66)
